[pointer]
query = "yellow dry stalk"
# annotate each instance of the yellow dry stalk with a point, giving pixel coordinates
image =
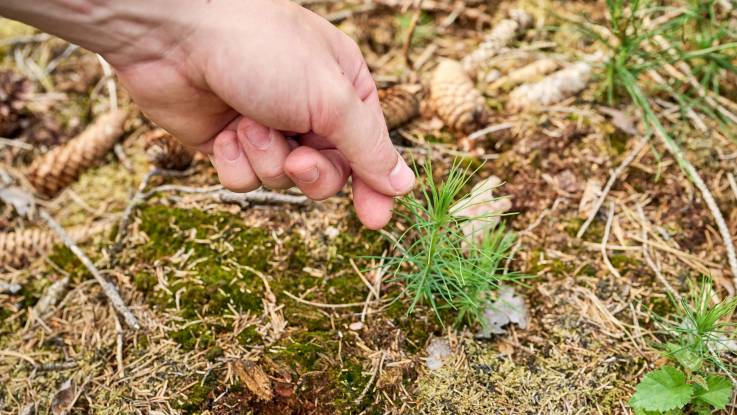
(530, 72)
(166, 152)
(500, 36)
(551, 89)
(55, 170)
(455, 99)
(399, 105)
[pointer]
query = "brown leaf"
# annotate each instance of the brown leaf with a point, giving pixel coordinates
(255, 379)
(64, 398)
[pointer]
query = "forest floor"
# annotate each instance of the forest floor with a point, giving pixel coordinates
(268, 308)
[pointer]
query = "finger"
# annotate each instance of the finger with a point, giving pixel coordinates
(233, 169)
(315, 141)
(319, 174)
(374, 209)
(266, 150)
(359, 132)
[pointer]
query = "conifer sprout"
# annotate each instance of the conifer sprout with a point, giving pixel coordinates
(431, 259)
(500, 36)
(455, 99)
(551, 89)
(399, 105)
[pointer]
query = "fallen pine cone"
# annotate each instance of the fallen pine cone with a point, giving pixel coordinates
(19, 248)
(55, 170)
(166, 152)
(399, 105)
(15, 91)
(500, 36)
(455, 99)
(527, 73)
(551, 89)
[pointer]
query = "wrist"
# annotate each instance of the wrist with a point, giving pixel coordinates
(125, 32)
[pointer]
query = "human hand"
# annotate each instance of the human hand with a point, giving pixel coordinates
(236, 78)
(249, 71)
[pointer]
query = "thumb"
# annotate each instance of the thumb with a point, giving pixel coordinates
(357, 128)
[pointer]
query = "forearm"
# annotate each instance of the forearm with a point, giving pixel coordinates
(130, 28)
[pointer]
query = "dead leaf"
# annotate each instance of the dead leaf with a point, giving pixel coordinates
(482, 207)
(21, 201)
(508, 308)
(591, 193)
(438, 352)
(64, 398)
(621, 120)
(255, 379)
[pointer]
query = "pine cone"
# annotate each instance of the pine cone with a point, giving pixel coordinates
(19, 248)
(399, 105)
(551, 89)
(15, 90)
(58, 168)
(499, 37)
(455, 99)
(166, 152)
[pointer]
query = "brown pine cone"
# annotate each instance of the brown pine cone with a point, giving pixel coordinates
(55, 170)
(18, 248)
(15, 90)
(455, 99)
(399, 105)
(166, 152)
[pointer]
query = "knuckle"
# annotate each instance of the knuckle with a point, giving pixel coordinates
(330, 109)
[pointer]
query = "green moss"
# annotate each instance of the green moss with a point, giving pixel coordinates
(214, 353)
(65, 259)
(351, 382)
(196, 336)
(623, 262)
(199, 395)
(249, 336)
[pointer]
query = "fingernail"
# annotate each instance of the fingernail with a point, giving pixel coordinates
(230, 147)
(308, 176)
(401, 177)
(259, 136)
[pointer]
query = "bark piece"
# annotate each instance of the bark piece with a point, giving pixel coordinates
(551, 89)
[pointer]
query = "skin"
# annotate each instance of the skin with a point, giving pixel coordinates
(273, 93)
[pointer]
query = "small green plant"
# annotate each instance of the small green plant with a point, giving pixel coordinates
(439, 264)
(701, 380)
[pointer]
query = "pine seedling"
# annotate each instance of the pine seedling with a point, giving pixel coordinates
(703, 379)
(438, 264)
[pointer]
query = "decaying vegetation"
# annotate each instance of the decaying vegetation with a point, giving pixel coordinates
(589, 269)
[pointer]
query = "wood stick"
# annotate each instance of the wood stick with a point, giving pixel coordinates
(107, 287)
